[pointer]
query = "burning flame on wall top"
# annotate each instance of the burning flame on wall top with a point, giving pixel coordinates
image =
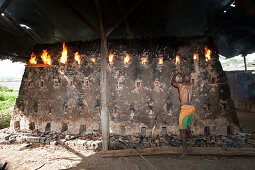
(195, 58)
(33, 59)
(46, 58)
(177, 60)
(77, 57)
(63, 58)
(126, 59)
(207, 54)
(160, 60)
(110, 58)
(93, 60)
(144, 60)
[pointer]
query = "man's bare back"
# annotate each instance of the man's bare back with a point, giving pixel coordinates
(185, 90)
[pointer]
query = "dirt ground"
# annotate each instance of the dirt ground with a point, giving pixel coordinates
(51, 157)
(247, 121)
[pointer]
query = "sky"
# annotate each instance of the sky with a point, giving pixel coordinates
(11, 69)
(237, 62)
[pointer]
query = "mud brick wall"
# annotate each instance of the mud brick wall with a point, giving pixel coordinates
(67, 97)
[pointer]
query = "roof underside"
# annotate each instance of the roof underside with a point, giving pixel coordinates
(230, 25)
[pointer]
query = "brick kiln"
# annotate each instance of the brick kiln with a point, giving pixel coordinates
(66, 97)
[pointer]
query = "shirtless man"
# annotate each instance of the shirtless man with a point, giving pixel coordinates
(187, 109)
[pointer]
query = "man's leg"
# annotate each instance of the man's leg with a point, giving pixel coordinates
(189, 123)
(183, 138)
(189, 133)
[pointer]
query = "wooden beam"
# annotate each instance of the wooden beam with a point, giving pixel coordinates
(79, 15)
(103, 79)
(4, 6)
(177, 151)
(15, 23)
(38, 65)
(111, 29)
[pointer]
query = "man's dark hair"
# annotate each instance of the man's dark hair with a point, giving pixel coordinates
(186, 78)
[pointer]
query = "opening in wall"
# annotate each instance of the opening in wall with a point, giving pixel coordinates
(17, 124)
(143, 131)
(48, 127)
(64, 127)
(119, 85)
(230, 130)
(29, 83)
(82, 128)
(56, 83)
(41, 83)
(156, 83)
(31, 125)
(163, 131)
(86, 83)
(123, 131)
(207, 131)
(138, 84)
(214, 79)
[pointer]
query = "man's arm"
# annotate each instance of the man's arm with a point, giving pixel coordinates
(173, 81)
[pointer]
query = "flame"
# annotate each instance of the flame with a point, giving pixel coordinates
(77, 57)
(126, 59)
(33, 59)
(144, 60)
(46, 57)
(160, 60)
(111, 58)
(195, 58)
(177, 60)
(207, 54)
(93, 60)
(63, 58)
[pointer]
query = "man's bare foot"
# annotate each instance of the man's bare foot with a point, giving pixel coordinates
(184, 152)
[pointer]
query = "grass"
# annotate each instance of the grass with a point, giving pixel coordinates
(7, 100)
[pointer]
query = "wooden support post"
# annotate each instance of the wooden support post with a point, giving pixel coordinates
(4, 6)
(244, 60)
(104, 103)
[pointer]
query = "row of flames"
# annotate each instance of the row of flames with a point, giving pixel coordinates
(46, 58)
(195, 57)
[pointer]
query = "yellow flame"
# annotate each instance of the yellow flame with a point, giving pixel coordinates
(160, 60)
(111, 58)
(144, 60)
(77, 57)
(46, 57)
(126, 59)
(195, 58)
(33, 59)
(93, 60)
(63, 58)
(207, 54)
(177, 60)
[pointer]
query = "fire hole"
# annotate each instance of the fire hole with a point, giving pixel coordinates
(138, 84)
(156, 83)
(48, 127)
